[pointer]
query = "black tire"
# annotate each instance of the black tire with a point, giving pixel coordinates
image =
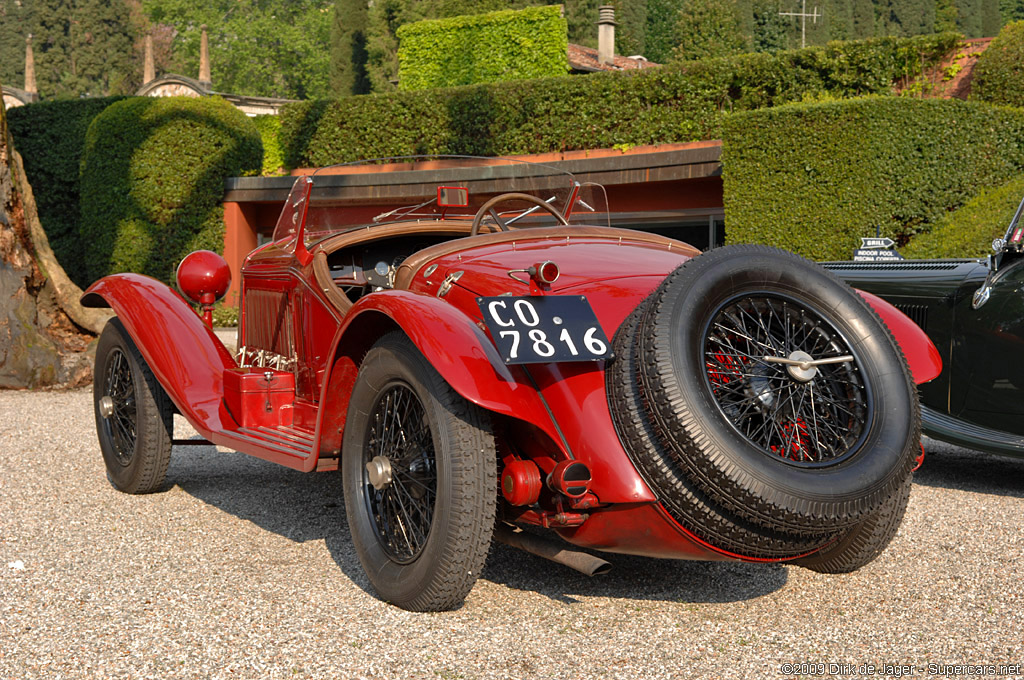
(134, 416)
(657, 464)
(792, 455)
(424, 536)
(862, 543)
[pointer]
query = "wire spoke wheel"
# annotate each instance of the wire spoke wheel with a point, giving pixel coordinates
(121, 424)
(403, 510)
(134, 416)
(419, 472)
(778, 390)
(814, 416)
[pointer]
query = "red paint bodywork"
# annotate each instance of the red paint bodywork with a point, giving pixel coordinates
(545, 413)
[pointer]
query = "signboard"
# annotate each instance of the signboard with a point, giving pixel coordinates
(876, 249)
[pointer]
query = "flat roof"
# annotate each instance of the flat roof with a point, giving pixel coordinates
(609, 167)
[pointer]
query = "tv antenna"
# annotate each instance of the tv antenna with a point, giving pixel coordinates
(803, 20)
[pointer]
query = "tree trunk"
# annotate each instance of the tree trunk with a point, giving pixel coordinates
(44, 332)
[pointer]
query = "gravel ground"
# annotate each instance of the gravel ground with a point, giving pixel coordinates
(243, 569)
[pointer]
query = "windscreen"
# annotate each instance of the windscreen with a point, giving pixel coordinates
(383, 191)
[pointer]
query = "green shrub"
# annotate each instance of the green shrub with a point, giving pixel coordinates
(483, 48)
(677, 103)
(999, 73)
(269, 127)
(969, 231)
(814, 178)
(152, 180)
(50, 136)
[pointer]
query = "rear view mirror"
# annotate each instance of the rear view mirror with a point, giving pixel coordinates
(452, 197)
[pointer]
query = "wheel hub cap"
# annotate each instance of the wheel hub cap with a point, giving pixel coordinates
(802, 372)
(379, 471)
(106, 406)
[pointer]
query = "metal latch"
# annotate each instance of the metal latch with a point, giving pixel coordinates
(448, 282)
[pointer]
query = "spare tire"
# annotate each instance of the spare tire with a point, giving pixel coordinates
(655, 461)
(781, 393)
(864, 541)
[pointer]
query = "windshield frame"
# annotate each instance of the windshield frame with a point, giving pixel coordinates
(487, 177)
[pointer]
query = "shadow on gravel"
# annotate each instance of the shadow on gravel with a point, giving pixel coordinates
(298, 506)
(952, 467)
(637, 578)
(309, 507)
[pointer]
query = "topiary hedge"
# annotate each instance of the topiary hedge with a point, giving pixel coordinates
(269, 127)
(969, 231)
(999, 73)
(152, 180)
(814, 178)
(677, 103)
(50, 137)
(483, 48)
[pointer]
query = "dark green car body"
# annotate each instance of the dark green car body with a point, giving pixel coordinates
(978, 400)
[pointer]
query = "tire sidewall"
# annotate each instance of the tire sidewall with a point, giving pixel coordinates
(148, 419)
(871, 467)
(385, 365)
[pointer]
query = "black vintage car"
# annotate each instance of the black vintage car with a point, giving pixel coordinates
(973, 310)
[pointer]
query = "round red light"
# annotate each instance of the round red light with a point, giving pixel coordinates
(203, 276)
(547, 272)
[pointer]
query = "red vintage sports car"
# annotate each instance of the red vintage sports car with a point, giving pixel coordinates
(482, 350)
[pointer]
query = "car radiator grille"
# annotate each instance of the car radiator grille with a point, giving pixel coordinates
(268, 322)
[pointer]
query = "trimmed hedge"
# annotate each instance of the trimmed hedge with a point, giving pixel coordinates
(999, 73)
(969, 231)
(678, 103)
(50, 136)
(152, 180)
(269, 127)
(814, 178)
(483, 48)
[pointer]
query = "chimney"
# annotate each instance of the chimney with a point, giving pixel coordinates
(606, 34)
(204, 60)
(30, 66)
(148, 70)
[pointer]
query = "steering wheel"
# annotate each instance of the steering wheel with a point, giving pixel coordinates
(488, 209)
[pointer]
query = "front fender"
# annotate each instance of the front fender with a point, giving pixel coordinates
(450, 341)
(922, 356)
(184, 354)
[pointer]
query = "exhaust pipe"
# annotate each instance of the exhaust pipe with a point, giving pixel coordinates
(585, 563)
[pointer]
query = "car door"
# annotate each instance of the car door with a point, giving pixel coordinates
(988, 355)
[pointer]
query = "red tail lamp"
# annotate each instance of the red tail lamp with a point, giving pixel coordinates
(203, 276)
(570, 477)
(544, 273)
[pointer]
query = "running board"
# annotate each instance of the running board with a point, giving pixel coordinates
(283, 439)
(955, 431)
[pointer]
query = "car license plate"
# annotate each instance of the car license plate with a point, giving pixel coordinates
(541, 329)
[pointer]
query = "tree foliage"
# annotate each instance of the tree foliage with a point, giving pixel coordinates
(999, 75)
(709, 28)
(348, 48)
(81, 47)
(1011, 10)
(16, 18)
(274, 48)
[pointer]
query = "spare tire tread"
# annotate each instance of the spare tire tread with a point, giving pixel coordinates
(656, 462)
(864, 542)
(708, 462)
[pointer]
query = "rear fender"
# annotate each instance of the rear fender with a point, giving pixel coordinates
(923, 357)
(449, 340)
(183, 353)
